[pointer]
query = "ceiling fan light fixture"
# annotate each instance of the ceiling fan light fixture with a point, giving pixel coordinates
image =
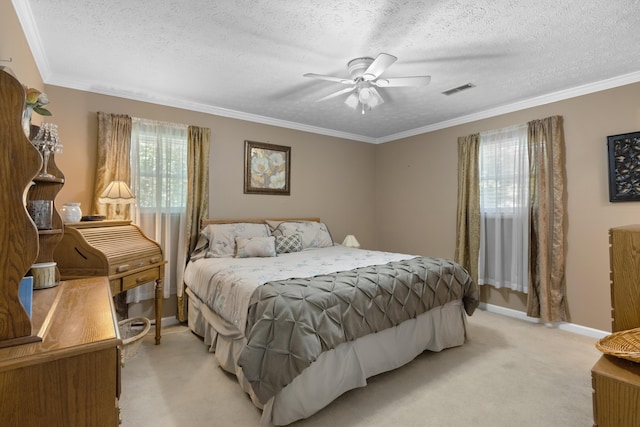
(365, 78)
(352, 101)
(365, 95)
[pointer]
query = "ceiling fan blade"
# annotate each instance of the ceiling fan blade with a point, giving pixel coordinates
(403, 81)
(338, 93)
(378, 66)
(329, 78)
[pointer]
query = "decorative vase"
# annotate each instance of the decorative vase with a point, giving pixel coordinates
(26, 120)
(71, 212)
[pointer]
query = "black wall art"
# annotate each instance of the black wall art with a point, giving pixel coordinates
(624, 167)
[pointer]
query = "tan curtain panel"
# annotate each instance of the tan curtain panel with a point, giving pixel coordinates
(114, 145)
(468, 218)
(199, 141)
(547, 298)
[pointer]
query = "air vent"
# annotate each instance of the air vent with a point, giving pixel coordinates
(458, 89)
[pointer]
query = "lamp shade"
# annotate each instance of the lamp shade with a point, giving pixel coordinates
(351, 241)
(117, 192)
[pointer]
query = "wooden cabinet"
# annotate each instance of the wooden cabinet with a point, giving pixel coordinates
(61, 367)
(71, 377)
(616, 395)
(615, 381)
(625, 277)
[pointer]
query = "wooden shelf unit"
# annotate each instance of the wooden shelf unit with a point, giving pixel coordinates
(47, 188)
(19, 164)
(61, 366)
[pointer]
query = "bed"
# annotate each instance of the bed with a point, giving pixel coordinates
(299, 320)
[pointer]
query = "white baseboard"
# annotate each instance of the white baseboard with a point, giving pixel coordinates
(565, 326)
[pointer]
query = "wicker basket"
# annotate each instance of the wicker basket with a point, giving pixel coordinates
(132, 331)
(623, 344)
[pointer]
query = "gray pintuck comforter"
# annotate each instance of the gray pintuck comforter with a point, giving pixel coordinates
(291, 322)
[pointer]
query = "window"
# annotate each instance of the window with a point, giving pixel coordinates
(161, 161)
(159, 180)
(503, 164)
(504, 208)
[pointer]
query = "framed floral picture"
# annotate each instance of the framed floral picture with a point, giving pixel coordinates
(267, 168)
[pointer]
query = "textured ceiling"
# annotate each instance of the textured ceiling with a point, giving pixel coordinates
(245, 59)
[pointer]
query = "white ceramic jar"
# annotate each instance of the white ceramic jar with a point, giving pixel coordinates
(71, 212)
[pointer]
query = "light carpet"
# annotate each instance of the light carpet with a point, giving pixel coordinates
(509, 373)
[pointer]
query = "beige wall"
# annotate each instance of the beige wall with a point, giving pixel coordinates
(398, 196)
(417, 184)
(14, 47)
(330, 177)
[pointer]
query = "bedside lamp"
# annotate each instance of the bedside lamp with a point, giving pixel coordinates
(117, 193)
(351, 242)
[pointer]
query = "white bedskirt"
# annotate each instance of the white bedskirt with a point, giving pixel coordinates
(336, 371)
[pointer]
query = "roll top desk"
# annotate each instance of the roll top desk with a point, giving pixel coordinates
(116, 249)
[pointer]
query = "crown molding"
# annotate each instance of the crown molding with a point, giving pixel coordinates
(224, 112)
(203, 108)
(25, 16)
(520, 105)
(30, 29)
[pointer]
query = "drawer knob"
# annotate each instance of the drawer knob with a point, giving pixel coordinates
(143, 279)
(121, 268)
(155, 259)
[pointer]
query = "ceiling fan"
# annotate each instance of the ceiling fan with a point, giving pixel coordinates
(365, 78)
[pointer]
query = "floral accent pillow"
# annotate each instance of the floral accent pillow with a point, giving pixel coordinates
(314, 234)
(222, 237)
(288, 244)
(255, 247)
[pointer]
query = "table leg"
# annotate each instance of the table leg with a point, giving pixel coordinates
(158, 310)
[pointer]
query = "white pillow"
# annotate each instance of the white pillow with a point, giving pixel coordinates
(222, 237)
(314, 234)
(255, 247)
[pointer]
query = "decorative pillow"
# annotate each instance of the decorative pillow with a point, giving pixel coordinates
(255, 247)
(287, 244)
(314, 234)
(222, 237)
(201, 248)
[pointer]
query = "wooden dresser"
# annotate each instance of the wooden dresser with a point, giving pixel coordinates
(61, 365)
(624, 260)
(116, 249)
(71, 377)
(615, 381)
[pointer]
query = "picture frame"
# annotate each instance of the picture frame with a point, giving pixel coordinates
(624, 167)
(267, 168)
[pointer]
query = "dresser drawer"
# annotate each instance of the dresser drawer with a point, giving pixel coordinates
(139, 278)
